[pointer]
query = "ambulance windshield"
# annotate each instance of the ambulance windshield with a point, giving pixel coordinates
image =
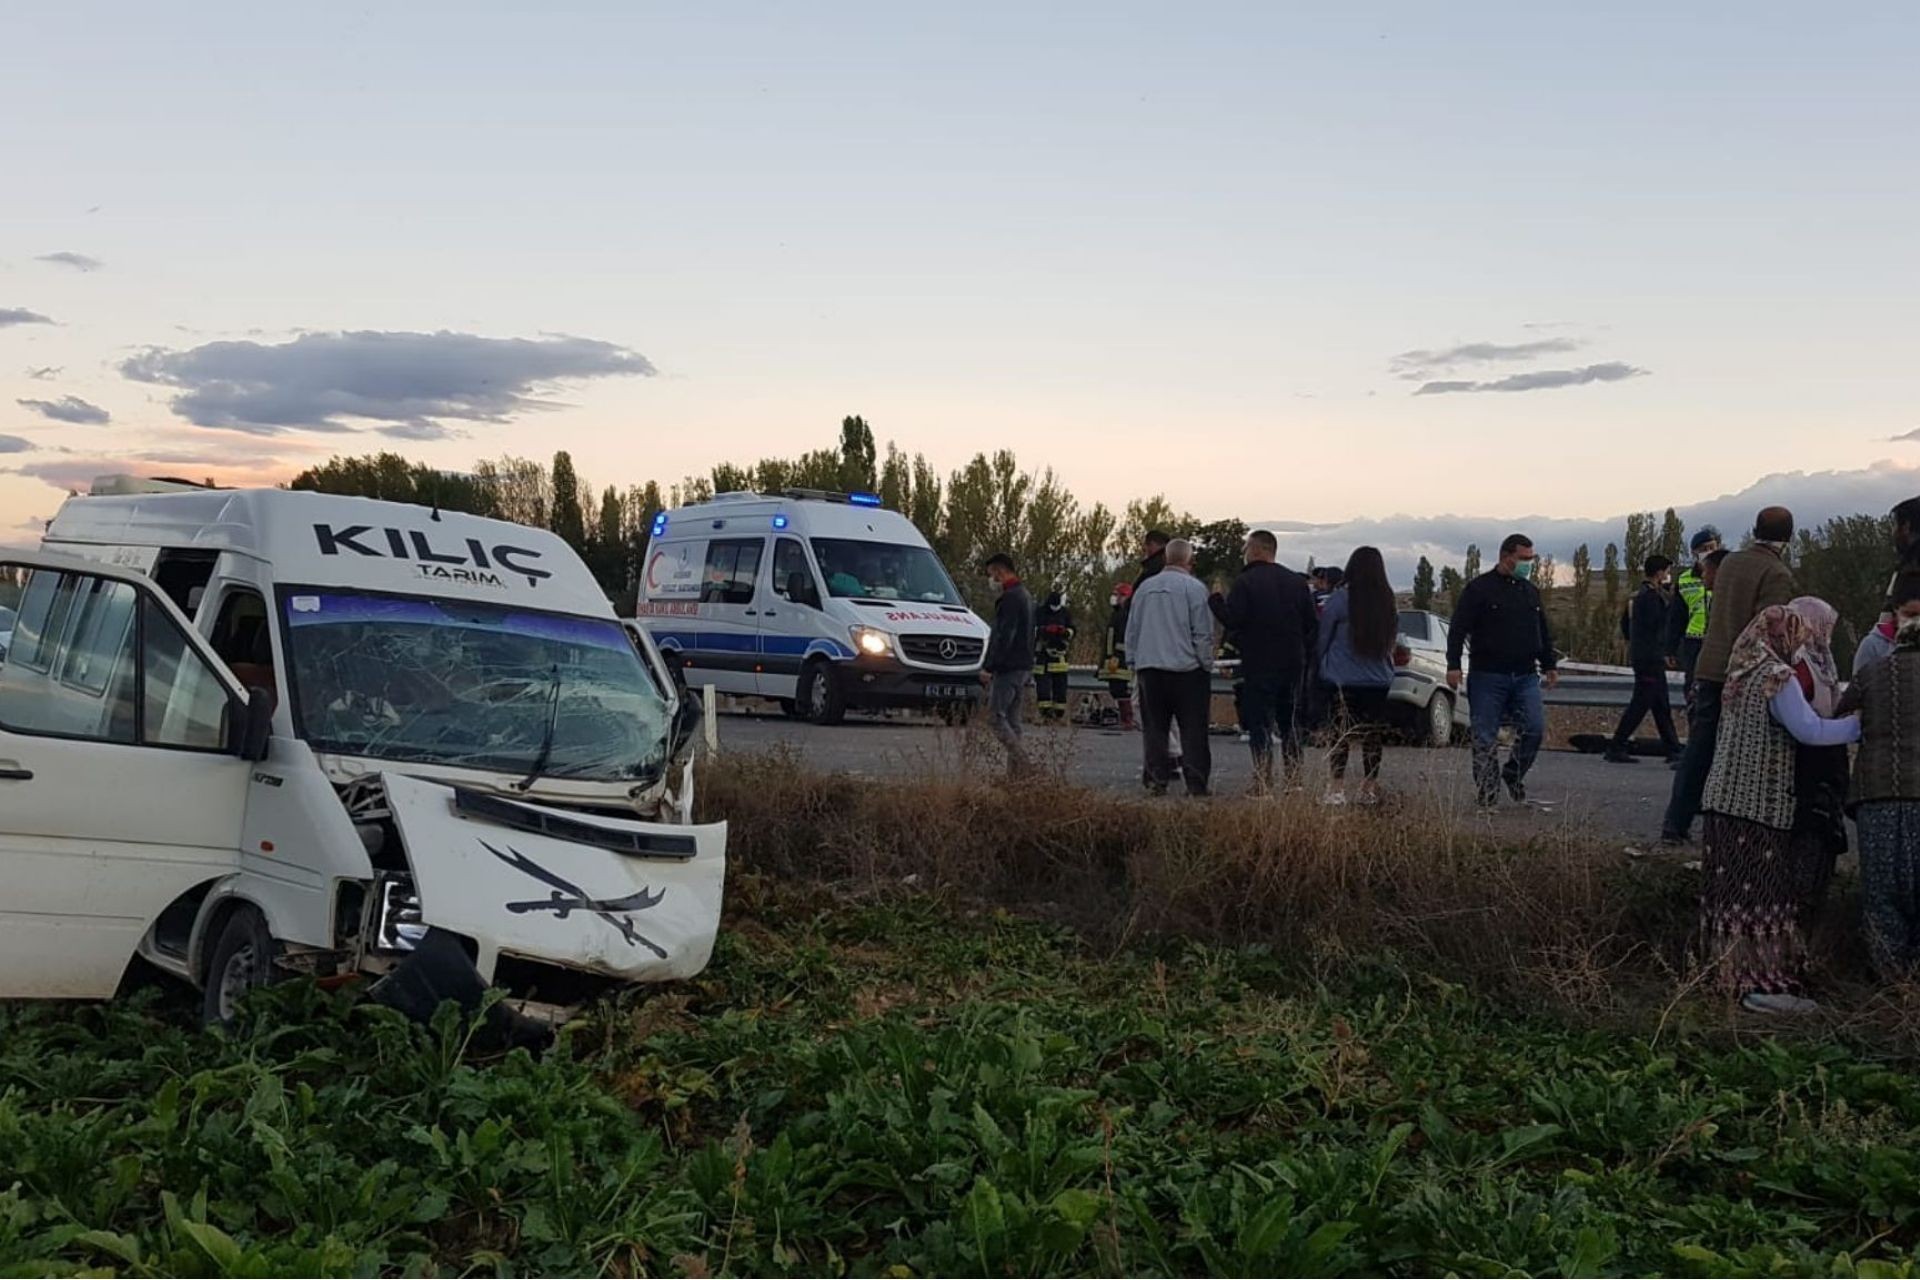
(475, 685)
(859, 570)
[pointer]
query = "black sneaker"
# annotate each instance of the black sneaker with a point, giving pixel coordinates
(1675, 840)
(1515, 788)
(1615, 755)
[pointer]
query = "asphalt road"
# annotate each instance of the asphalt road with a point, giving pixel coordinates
(1580, 792)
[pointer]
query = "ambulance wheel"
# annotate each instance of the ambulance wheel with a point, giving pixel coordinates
(242, 961)
(820, 699)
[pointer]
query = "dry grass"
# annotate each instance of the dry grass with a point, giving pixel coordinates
(1551, 915)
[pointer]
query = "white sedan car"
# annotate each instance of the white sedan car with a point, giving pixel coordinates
(1433, 714)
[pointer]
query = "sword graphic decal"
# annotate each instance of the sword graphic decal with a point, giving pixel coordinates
(567, 898)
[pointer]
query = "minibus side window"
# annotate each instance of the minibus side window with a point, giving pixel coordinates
(97, 674)
(93, 654)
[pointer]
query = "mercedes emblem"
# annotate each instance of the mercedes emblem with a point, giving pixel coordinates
(949, 649)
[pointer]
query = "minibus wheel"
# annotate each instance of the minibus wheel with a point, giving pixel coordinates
(242, 960)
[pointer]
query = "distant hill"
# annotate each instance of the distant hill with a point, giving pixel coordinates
(1814, 497)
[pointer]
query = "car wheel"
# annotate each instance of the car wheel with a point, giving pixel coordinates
(1440, 720)
(243, 959)
(821, 701)
(789, 708)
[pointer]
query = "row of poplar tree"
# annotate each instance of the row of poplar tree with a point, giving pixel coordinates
(993, 503)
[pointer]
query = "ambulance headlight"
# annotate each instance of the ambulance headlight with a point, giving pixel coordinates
(872, 642)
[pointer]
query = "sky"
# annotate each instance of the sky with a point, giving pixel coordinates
(1312, 263)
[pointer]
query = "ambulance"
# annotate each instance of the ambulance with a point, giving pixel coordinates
(252, 733)
(822, 601)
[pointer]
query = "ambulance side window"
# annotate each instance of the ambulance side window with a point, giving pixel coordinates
(792, 576)
(733, 564)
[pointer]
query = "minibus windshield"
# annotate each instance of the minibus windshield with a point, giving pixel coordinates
(483, 686)
(860, 570)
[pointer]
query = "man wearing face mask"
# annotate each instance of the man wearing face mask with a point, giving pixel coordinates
(1007, 669)
(1646, 625)
(1501, 620)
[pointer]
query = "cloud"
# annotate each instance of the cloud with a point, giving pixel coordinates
(69, 409)
(67, 258)
(406, 381)
(14, 444)
(1905, 437)
(1813, 497)
(225, 467)
(1415, 365)
(45, 372)
(1539, 380)
(20, 315)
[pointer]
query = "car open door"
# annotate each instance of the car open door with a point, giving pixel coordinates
(124, 758)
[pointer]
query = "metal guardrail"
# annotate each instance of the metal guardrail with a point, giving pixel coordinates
(1580, 686)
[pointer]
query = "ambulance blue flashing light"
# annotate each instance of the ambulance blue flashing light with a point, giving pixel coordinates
(864, 499)
(779, 522)
(659, 523)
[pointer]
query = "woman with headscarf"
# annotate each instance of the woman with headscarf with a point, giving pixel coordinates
(1752, 897)
(1885, 798)
(1820, 773)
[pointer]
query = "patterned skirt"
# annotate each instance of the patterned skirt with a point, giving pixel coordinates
(1753, 899)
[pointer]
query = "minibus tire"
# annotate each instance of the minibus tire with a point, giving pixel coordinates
(243, 959)
(819, 695)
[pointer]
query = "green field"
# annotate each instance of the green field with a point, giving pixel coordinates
(901, 1086)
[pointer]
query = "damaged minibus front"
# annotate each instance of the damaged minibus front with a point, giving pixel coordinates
(362, 738)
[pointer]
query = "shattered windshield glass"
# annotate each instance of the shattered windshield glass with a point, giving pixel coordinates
(478, 685)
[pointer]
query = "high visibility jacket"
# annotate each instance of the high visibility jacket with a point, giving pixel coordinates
(1052, 637)
(1693, 592)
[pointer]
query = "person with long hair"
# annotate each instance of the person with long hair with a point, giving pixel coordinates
(1358, 630)
(1753, 895)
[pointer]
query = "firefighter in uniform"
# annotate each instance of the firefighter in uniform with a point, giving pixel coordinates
(1113, 659)
(1052, 637)
(1687, 616)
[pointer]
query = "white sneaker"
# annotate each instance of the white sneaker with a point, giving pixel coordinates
(1790, 1006)
(1334, 800)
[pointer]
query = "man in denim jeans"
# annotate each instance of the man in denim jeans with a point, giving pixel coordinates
(1499, 617)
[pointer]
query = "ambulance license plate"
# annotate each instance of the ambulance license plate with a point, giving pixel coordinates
(952, 692)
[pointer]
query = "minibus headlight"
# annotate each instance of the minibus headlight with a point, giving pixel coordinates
(872, 642)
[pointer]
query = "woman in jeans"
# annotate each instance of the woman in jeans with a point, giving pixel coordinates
(1358, 630)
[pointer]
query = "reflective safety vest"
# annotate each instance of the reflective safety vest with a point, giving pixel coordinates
(1698, 599)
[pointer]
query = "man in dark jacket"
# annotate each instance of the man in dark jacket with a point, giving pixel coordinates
(1499, 618)
(1646, 629)
(1007, 669)
(1745, 585)
(1270, 614)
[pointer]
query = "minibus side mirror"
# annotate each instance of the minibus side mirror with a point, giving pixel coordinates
(689, 714)
(250, 725)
